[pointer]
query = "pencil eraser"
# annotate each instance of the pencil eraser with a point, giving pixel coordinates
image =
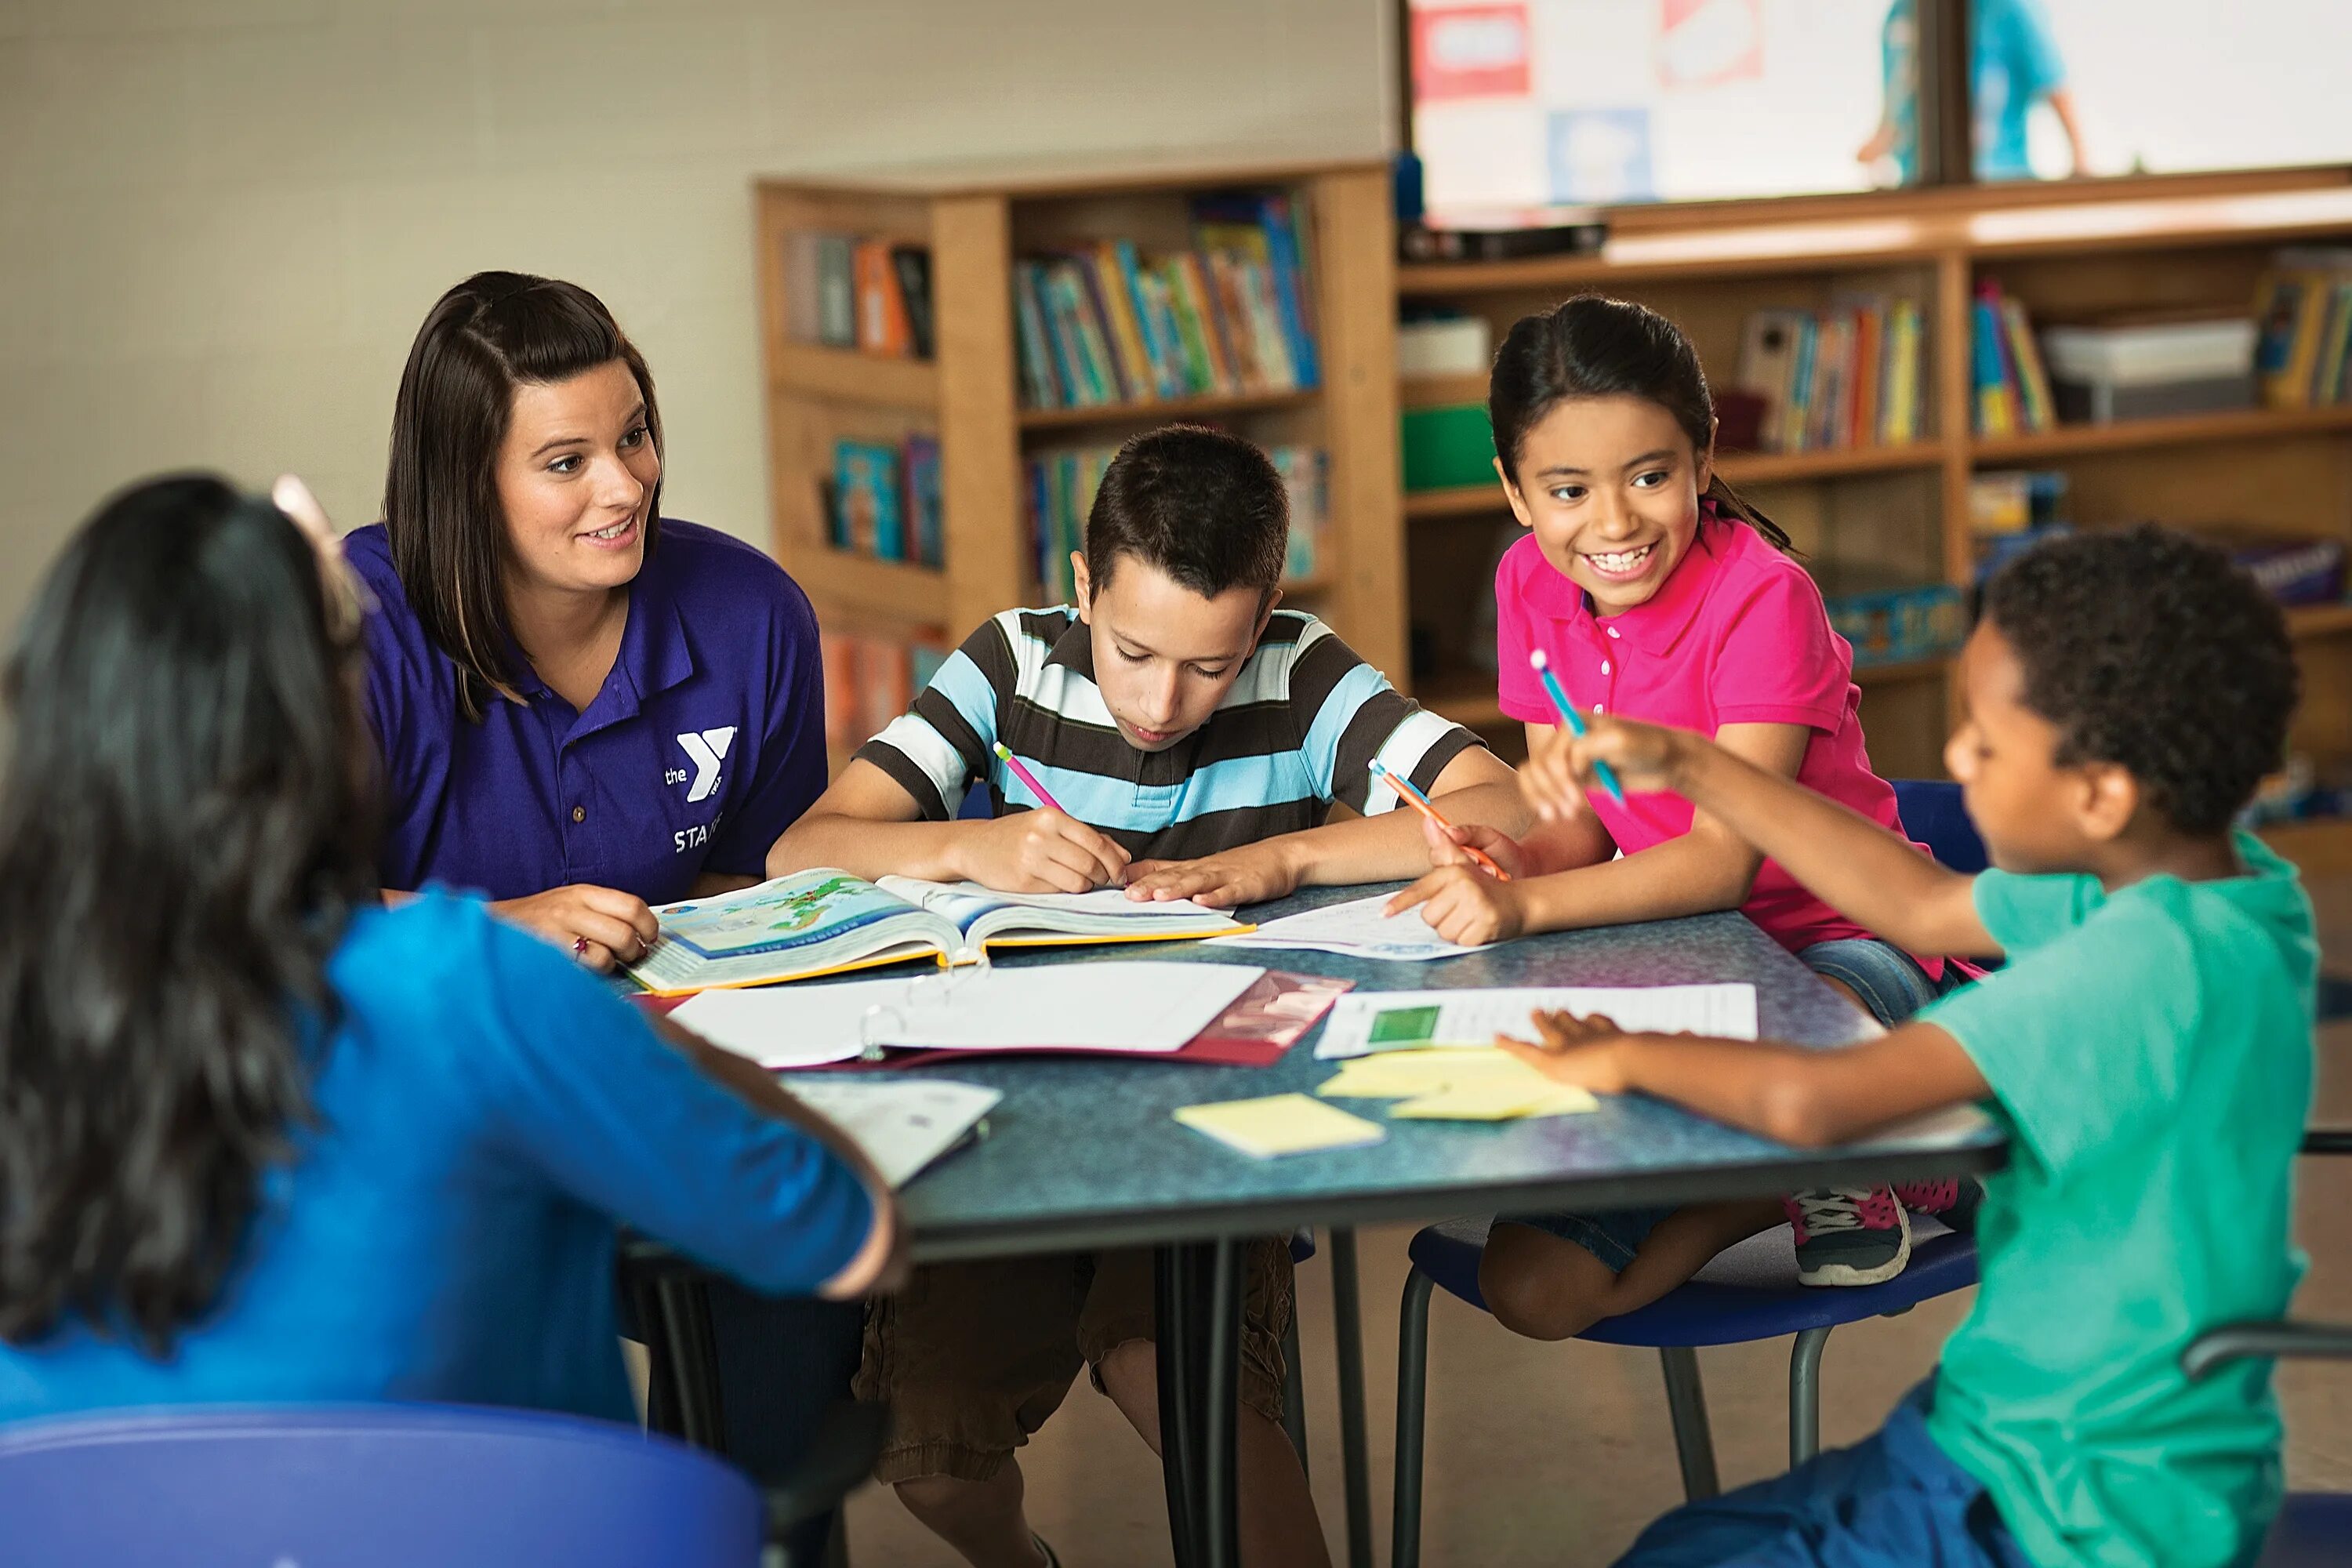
(1536, 658)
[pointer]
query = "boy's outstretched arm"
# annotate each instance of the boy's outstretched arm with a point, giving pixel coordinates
(1870, 876)
(1790, 1094)
(1475, 788)
(868, 824)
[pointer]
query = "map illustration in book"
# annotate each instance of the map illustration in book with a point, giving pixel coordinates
(824, 921)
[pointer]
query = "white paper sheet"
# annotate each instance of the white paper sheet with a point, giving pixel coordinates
(1356, 929)
(1406, 1019)
(1142, 1007)
(901, 1124)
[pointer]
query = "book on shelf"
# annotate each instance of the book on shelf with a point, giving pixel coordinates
(2012, 388)
(885, 499)
(1102, 324)
(2303, 308)
(824, 921)
(871, 678)
(1845, 376)
(854, 291)
(1059, 488)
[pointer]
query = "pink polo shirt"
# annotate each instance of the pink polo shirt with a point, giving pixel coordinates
(1736, 635)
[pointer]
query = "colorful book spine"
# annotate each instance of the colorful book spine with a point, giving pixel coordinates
(1901, 401)
(2038, 409)
(882, 326)
(925, 517)
(1996, 410)
(1041, 383)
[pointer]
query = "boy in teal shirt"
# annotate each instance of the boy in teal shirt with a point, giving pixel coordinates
(2147, 1045)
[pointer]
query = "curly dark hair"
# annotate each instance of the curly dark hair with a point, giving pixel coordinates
(186, 824)
(2155, 651)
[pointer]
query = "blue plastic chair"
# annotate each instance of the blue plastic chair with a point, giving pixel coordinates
(1749, 1292)
(368, 1487)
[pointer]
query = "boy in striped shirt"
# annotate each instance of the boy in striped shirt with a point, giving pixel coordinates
(1198, 735)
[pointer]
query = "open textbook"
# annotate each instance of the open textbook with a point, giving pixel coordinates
(822, 921)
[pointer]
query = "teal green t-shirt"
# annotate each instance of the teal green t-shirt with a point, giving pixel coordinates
(2151, 1053)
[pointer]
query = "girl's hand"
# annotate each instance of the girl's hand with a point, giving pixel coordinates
(1586, 1052)
(1560, 771)
(1464, 906)
(1446, 846)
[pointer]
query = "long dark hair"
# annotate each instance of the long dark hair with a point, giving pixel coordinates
(1593, 346)
(186, 824)
(493, 333)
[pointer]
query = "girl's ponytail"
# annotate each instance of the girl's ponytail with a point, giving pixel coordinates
(1593, 346)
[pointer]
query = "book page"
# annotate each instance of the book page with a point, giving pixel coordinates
(799, 910)
(901, 1124)
(965, 903)
(1411, 1020)
(1359, 929)
(1142, 1007)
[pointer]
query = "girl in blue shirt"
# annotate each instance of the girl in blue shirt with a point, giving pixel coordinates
(267, 1139)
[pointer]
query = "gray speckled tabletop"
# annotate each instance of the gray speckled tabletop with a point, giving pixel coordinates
(1084, 1151)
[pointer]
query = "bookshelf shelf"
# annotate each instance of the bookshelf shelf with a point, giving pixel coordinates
(2125, 435)
(1900, 674)
(1458, 500)
(1164, 411)
(892, 590)
(852, 376)
(2319, 620)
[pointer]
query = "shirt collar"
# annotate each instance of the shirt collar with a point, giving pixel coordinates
(1658, 623)
(655, 656)
(1074, 648)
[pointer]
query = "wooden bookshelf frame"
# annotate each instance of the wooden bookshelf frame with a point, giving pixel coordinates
(973, 219)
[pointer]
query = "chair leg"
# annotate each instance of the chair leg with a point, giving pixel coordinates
(1412, 1388)
(1294, 1390)
(1348, 1324)
(1805, 1396)
(1686, 1403)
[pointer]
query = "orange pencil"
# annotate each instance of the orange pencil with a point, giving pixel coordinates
(1419, 802)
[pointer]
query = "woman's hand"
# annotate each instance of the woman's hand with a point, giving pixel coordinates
(1464, 906)
(601, 926)
(1585, 1052)
(1560, 770)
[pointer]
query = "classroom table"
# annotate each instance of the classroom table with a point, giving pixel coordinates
(1082, 1153)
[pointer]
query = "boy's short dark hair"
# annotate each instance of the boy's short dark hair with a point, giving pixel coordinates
(1205, 506)
(2157, 652)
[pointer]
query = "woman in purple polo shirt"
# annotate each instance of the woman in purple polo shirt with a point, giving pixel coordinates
(584, 708)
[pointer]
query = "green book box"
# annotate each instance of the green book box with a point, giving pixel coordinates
(1447, 448)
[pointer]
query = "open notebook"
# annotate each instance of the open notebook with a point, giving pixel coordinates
(824, 921)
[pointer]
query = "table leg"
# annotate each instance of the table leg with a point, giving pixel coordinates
(1348, 1316)
(1200, 1302)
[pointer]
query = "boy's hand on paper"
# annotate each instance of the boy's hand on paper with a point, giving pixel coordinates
(1572, 1050)
(599, 926)
(1040, 851)
(1465, 905)
(1250, 874)
(1446, 846)
(1559, 772)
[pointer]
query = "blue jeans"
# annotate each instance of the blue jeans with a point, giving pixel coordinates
(1891, 985)
(1893, 1500)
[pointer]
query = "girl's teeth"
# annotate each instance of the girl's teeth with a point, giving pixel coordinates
(1622, 561)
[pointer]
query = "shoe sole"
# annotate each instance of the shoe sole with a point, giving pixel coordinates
(1846, 1274)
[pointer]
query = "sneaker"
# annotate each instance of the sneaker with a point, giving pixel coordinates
(1954, 1200)
(1849, 1236)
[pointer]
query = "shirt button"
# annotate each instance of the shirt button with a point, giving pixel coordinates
(1605, 667)
(1612, 631)
(579, 814)
(1597, 707)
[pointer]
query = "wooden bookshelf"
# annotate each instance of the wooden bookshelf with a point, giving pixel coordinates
(2070, 254)
(975, 220)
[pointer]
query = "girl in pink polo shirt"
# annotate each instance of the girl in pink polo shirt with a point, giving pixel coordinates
(1653, 591)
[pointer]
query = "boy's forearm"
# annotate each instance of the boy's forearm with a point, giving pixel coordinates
(1802, 1097)
(865, 848)
(1389, 847)
(1849, 862)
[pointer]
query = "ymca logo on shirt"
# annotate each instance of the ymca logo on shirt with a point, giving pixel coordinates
(706, 749)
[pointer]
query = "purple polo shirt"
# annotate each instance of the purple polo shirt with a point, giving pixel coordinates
(707, 740)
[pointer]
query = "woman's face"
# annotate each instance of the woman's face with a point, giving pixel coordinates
(576, 478)
(1610, 486)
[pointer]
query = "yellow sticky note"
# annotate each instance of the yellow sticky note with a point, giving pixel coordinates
(1403, 1075)
(1496, 1102)
(1279, 1124)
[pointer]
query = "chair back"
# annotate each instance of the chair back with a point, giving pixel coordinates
(1932, 814)
(367, 1487)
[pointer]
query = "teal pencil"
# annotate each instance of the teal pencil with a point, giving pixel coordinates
(1574, 720)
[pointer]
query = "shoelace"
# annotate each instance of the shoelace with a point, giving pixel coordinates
(1833, 1208)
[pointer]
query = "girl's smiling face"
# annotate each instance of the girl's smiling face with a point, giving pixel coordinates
(1610, 486)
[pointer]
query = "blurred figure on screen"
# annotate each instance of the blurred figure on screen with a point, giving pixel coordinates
(2014, 64)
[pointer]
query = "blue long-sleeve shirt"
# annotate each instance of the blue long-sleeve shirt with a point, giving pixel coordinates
(487, 1112)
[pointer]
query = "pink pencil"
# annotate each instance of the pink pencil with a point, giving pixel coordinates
(1026, 776)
